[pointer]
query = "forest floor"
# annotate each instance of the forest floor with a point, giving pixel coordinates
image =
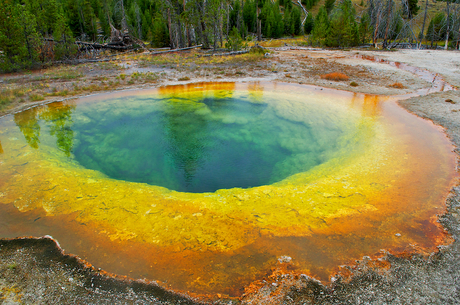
(34, 271)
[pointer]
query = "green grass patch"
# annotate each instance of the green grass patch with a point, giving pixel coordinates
(35, 97)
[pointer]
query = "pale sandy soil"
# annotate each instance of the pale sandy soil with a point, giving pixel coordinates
(35, 272)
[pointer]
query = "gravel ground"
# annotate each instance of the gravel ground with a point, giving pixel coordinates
(35, 271)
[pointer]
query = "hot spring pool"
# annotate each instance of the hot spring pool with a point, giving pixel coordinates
(204, 186)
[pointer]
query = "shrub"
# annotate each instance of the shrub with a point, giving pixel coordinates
(36, 97)
(335, 76)
(397, 86)
(258, 50)
(235, 42)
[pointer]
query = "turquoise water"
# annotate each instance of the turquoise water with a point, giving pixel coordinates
(356, 156)
(196, 144)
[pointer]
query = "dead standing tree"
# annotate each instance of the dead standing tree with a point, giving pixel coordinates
(173, 9)
(389, 14)
(389, 25)
(422, 32)
(453, 23)
(299, 3)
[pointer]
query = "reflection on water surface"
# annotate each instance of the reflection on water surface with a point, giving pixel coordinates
(204, 186)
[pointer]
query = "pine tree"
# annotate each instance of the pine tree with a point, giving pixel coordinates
(88, 20)
(160, 33)
(343, 30)
(437, 28)
(235, 42)
(329, 5)
(296, 23)
(321, 27)
(287, 21)
(278, 26)
(308, 25)
(104, 18)
(269, 24)
(413, 8)
(64, 48)
(309, 3)
(23, 38)
(365, 27)
(73, 17)
(288, 5)
(249, 15)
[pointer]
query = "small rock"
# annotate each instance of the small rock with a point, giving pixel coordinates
(274, 284)
(398, 234)
(284, 259)
(450, 101)
(304, 277)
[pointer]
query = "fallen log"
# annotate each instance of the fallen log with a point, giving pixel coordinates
(97, 46)
(175, 50)
(226, 54)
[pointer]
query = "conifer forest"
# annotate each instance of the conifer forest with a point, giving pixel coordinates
(33, 32)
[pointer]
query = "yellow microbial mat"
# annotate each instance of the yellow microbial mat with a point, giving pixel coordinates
(154, 183)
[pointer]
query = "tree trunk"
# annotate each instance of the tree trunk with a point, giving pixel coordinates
(187, 31)
(81, 22)
(390, 6)
(259, 25)
(228, 18)
(124, 25)
(202, 25)
(423, 25)
(215, 35)
(220, 26)
(406, 10)
(139, 22)
(205, 36)
(171, 36)
(448, 25)
(181, 38)
(374, 39)
(299, 3)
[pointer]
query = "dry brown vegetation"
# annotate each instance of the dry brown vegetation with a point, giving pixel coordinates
(397, 86)
(144, 70)
(335, 76)
(123, 71)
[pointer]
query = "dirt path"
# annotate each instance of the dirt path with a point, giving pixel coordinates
(35, 271)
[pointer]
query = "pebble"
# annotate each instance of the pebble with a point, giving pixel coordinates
(284, 259)
(398, 234)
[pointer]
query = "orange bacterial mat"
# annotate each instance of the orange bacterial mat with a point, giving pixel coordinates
(349, 174)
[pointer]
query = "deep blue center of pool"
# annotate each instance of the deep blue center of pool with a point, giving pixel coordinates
(215, 143)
